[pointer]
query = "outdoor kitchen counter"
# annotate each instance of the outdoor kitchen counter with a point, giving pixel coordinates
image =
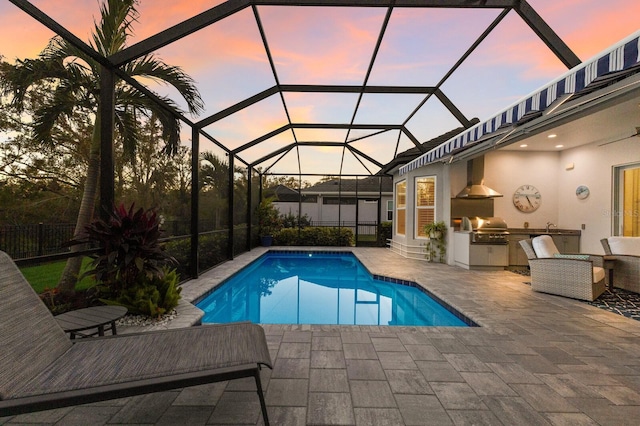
(543, 231)
(567, 241)
(478, 256)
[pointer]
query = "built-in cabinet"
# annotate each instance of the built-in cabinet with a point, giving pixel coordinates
(496, 256)
(567, 243)
(517, 256)
(479, 256)
(566, 240)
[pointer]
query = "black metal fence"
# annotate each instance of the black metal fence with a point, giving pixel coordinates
(22, 241)
(27, 241)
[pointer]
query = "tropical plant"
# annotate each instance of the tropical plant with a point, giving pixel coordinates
(76, 86)
(129, 249)
(436, 246)
(150, 296)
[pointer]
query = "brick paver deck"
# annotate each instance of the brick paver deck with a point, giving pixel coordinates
(537, 359)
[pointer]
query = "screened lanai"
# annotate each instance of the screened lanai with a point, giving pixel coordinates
(319, 88)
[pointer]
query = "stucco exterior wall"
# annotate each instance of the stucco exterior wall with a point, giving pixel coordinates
(555, 174)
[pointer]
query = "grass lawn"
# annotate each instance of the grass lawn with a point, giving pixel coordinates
(46, 276)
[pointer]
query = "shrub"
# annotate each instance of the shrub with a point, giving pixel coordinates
(384, 233)
(290, 220)
(213, 248)
(315, 236)
(151, 296)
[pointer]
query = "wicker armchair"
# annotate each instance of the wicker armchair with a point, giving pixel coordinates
(580, 277)
(626, 270)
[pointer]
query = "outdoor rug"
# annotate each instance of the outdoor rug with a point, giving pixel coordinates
(616, 300)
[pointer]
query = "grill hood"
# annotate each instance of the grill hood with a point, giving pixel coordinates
(475, 181)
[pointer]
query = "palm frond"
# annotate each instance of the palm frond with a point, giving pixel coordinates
(150, 67)
(18, 78)
(115, 26)
(45, 117)
(127, 126)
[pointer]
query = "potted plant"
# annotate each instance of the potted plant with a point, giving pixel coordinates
(269, 221)
(436, 233)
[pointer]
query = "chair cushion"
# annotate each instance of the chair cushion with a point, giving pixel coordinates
(598, 274)
(544, 246)
(572, 256)
(625, 245)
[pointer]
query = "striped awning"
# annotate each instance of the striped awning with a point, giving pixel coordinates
(619, 57)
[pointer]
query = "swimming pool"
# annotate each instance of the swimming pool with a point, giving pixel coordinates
(320, 288)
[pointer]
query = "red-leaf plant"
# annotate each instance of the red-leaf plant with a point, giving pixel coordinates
(129, 248)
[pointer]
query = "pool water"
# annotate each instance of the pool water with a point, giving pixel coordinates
(319, 288)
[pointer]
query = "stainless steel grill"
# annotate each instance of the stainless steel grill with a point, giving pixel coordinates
(488, 230)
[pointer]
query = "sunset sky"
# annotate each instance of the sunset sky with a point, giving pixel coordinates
(316, 45)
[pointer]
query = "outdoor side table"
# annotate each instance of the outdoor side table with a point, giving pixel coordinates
(609, 264)
(75, 322)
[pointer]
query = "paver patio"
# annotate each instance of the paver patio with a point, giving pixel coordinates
(536, 359)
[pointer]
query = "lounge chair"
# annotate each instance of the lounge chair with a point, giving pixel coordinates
(626, 269)
(579, 276)
(43, 369)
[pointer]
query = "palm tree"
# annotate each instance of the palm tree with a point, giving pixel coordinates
(75, 79)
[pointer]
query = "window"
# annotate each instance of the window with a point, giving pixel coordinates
(425, 203)
(626, 214)
(389, 209)
(338, 200)
(401, 207)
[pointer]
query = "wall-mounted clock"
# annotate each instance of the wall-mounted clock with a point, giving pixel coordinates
(582, 192)
(527, 198)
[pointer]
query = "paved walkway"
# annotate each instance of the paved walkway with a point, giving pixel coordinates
(536, 360)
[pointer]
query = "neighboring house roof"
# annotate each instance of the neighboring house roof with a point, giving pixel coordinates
(346, 186)
(282, 193)
(413, 153)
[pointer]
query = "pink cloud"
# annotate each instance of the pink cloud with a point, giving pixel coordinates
(321, 45)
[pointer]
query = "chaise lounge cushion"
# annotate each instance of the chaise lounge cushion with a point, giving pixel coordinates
(625, 245)
(119, 359)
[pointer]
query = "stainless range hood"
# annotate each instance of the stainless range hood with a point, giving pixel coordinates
(475, 181)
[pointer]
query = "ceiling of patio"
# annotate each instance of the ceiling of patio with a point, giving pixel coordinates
(340, 87)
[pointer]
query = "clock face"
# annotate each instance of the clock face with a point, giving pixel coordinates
(527, 198)
(582, 192)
